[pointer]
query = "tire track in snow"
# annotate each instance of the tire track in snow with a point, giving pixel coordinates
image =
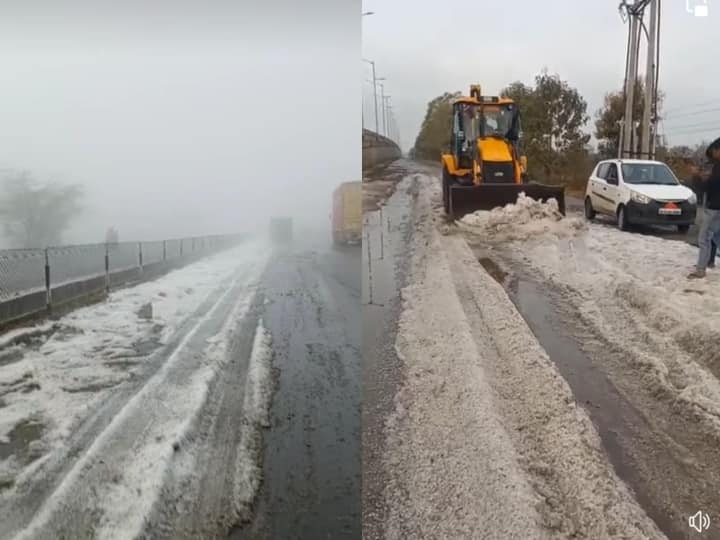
(202, 498)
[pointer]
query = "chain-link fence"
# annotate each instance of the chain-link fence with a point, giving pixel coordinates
(74, 263)
(21, 271)
(123, 256)
(33, 280)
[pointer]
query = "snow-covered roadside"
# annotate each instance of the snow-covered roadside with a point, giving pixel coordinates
(259, 387)
(126, 504)
(452, 471)
(526, 218)
(632, 289)
(61, 379)
(465, 460)
(117, 480)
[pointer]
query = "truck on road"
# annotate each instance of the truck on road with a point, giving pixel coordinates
(281, 231)
(347, 213)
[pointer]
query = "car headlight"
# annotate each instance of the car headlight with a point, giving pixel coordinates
(693, 199)
(639, 197)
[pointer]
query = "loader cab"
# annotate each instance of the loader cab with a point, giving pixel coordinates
(465, 133)
(482, 118)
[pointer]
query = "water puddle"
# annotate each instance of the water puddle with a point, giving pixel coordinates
(493, 269)
(19, 441)
(614, 417)
(94, 387)
(123, 365)
(24, 384)
(10, 356)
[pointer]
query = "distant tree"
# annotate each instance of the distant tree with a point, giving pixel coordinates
(36, 215)
(682, 158)
(607, 128)
(553, 116)
(434, 135)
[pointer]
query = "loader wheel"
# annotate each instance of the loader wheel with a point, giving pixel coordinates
(446, 190)
(589, 210)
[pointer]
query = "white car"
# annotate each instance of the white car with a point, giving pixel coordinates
(639, 192)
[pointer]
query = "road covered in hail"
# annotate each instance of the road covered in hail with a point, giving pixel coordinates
(140, 416)
(554, 379)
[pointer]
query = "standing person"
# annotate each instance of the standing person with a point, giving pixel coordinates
(710, 226)
(697, 184)
(713, 252)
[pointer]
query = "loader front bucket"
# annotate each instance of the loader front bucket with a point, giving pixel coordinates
(468, 199)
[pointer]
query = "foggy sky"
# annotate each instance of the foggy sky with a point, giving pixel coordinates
(425, 48)
(183, 118)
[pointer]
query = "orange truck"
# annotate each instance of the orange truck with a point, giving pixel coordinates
(347, 213)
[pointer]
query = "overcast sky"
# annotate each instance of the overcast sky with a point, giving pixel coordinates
(425, 48)
(183, 118)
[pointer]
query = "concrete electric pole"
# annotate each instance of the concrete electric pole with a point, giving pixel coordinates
(630, 144)
(382, 97)
(386, 107)
(630, 78)
(648, 119)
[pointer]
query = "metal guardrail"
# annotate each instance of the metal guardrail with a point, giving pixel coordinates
(36, 280)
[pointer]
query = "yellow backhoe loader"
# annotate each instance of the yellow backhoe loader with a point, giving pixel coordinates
(484, 168)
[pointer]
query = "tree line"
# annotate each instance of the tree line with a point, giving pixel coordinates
(35, 214)
(554, 119)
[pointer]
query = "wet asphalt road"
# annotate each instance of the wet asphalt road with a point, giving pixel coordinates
(387, 235)
(312, 468)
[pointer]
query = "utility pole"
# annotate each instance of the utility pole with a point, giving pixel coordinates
(377, 124)
(396, 129)
(630, 78)
(648, 119)
(621, 142)
(382, 95)
(386, 112)
(636, 138)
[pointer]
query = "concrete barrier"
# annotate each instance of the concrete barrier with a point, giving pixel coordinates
(69, 294)
(377, 150)
(27, 305)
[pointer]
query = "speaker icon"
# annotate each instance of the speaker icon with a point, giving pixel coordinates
(700, 521)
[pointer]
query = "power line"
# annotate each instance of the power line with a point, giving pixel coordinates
(696, 130)
(693, 105)
(703, 111)
(711, 123)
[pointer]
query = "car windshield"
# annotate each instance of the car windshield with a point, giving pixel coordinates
(648, 173)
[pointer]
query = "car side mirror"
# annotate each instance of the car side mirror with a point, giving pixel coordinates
(612, 181)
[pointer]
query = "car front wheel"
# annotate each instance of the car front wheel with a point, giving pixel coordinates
(622, 219)
(589, 210)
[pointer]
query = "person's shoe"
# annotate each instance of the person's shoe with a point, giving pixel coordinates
(712, 265)
(697, 274)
